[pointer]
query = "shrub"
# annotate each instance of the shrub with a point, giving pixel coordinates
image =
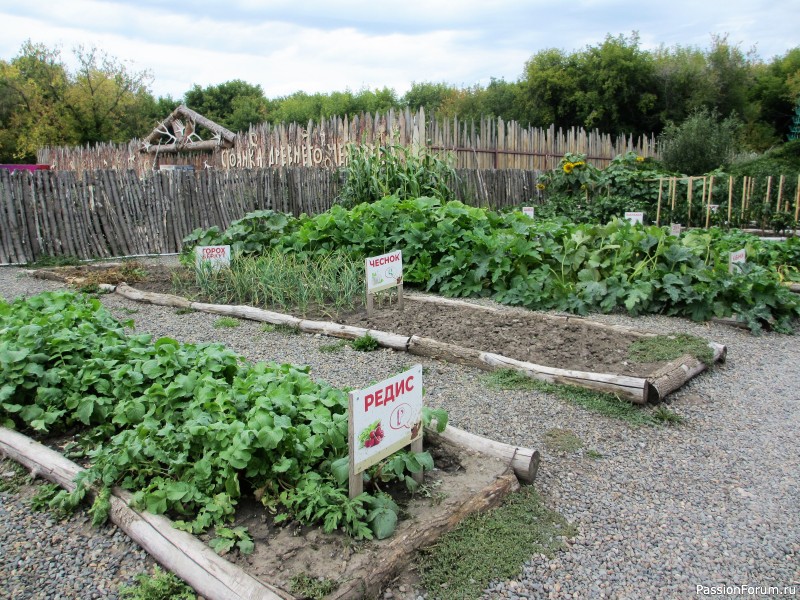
(700, 144)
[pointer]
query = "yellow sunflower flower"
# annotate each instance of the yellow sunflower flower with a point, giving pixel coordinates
(640, 159)
(568, 167)
(578, 164)
(540, 186)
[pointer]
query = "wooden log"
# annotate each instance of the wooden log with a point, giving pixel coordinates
(385, 339)
(397, 552)
(248, 312)
(523, 461)
(423, 346)
(209, 574)
(677, 372)
(634, 389)
(123, 289)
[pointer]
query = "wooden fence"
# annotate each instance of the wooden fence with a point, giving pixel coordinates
(117, 213)
(487, 144)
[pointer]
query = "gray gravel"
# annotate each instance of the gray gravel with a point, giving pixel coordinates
(714, 502)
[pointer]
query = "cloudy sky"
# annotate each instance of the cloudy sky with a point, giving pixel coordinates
(324, 46)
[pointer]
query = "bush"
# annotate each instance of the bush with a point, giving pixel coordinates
(700, 144)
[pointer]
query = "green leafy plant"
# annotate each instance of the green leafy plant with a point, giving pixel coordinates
(227, 538)
(365, 343)
(161, 585)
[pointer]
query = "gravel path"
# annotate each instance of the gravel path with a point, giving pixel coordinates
(715, 502)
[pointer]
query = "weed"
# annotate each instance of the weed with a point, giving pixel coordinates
(562, 440)
(129, 311)
(430, 490)
(334, 347)
(12, 476)
(605, 404)
(44, 496)
(226, 322)
(593, 454)
(55, 261)
(89, 288)
(669, 347)
(285, 329)
(366, 343)
(664, 415)
(491, 545)
(268, 328)
(161, 585)
(314, 588)
(186, 310)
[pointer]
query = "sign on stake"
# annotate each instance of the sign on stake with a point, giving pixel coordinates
(737, 259)
(675, 229)
(215, 257)
(384, 272)
(635, 217)
(529, 211)
(383, 419)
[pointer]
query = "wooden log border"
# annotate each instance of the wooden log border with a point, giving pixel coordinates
(639, 390)
(210, 575)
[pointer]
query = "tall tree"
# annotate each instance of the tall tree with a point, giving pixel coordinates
(234, 104)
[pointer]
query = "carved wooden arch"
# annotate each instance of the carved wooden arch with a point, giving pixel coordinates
(176, 134)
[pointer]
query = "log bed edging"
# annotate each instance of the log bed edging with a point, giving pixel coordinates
(209, 574)
(639, 390)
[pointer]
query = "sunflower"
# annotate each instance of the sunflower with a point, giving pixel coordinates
(640, 159)
(578, 164)
(540, 186)
(568, 167)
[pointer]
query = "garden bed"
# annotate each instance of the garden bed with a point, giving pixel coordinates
(556, 348)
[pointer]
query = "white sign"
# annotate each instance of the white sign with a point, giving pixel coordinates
(384, 271)
(635, 217)
(215, 256)
(737, 258)
(714, 207)
(528, 210)
(675, 229)
(385, 417)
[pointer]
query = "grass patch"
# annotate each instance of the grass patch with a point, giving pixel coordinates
(226, 322)
(55, 261)
(334, 347)
(490, 546)
(186, 310)
(607, 405)
(366, 343)
(562, 440)
(594, 454)
(663, 348)
(161, 585)
(12, 476)
(304, 586)
(664, 415)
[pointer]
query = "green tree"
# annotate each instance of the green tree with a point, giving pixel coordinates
(548, 86)
(702, 143)
(234, 104)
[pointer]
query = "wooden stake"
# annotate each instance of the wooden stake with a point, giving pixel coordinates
(730, 198)
(769, 189)
(780, 193)
(689, 199)
(355, 480)
(797, 201)
(673, 182)
(660, 191)
(744, 196)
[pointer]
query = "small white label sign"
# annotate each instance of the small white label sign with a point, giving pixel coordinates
(386, 417)
(714, 207)
(737, 258)
(635, 217)
(675, 229)
(529, 211)
(384, 271)
(215, 256)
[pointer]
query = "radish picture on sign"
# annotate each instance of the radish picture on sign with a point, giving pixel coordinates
(216, 257)
(737, 259)
(384, 271)
(529, 211)
(635, 217)
(385, 417)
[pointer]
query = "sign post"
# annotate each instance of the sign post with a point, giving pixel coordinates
(383, 419)
(384, 272)
(214, 257)
(635, 217)
(529, 211)
(737, 259)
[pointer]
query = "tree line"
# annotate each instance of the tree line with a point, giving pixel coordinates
(615, 86)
